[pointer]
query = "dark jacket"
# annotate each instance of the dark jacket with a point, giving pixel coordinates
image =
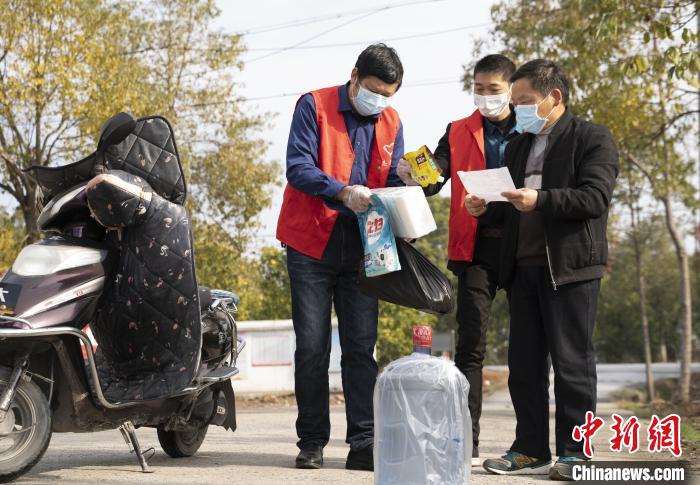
(580, 167)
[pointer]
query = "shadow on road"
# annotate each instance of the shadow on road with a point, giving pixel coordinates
(123, 462)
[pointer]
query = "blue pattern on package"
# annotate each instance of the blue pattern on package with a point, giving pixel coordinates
(378, 241)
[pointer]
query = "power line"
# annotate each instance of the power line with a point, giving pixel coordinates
(316, 36)
(332, 29)
(367, 42)
(321, 18)
(286, 25)
(417, 84)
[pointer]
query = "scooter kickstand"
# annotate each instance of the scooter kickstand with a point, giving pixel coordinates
(129, 433)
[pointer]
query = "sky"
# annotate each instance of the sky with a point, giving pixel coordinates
(431, 95)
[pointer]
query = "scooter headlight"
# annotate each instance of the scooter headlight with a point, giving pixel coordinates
(44, 259)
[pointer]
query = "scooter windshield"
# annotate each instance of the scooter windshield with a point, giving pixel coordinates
(149, 151)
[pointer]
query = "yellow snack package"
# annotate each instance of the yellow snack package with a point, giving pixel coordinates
(424, 170)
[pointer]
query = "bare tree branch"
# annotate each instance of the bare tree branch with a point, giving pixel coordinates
(9, 189)
(666, 125)
(59, 137)
(634, 161)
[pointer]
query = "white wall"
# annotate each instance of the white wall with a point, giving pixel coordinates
(267, 362)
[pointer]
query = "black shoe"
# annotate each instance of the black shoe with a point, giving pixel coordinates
(310, 459)
(362, 459)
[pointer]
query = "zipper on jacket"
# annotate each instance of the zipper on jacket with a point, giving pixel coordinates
(549, 262)
(590, 236)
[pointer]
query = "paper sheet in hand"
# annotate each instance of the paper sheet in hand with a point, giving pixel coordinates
(488, 184)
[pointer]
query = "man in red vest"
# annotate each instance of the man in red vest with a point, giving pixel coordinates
(344, 140)
(476, 142)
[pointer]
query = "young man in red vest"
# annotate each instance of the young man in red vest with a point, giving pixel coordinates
(344, 140)
(476, 142)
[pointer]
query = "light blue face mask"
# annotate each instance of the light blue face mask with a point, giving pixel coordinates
(527, 120)
(368, 103)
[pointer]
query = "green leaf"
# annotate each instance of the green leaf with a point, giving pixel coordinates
(641, 63)
(687, 36)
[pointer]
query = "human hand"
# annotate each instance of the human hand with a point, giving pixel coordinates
(356, 197)
(475, 205)
(525, 200)
(403, 170)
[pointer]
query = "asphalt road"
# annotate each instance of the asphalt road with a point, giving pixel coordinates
(262, 450)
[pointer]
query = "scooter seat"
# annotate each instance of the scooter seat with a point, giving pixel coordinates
(204, 297)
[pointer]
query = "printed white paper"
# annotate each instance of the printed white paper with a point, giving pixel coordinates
(488, 184)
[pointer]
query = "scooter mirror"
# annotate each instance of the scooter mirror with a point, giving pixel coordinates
(115, 130)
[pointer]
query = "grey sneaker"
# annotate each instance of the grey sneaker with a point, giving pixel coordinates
(563, 469)
(514, 463)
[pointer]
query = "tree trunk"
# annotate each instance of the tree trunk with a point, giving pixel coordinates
(663, 351)
(641, 289)
(30, 212)
(686, 350)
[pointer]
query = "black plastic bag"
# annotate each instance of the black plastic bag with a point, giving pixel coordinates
(418, 284)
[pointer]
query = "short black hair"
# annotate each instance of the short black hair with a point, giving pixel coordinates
(381, 61)
(544, 75)
(497, 64)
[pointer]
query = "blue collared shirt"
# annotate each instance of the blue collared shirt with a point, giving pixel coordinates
(495, 141)
(303, 172)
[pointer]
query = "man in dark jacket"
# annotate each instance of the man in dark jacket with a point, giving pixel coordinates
(554, 251)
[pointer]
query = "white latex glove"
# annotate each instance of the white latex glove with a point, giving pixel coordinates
(357, 198)
(403, 170)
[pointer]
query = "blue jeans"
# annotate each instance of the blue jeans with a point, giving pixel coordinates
(315, 285)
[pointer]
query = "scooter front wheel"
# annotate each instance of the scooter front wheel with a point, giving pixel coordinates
(25, 432)
(180, 444)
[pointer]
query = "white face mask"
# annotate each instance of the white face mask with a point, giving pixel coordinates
(493, 104)
(368, 103)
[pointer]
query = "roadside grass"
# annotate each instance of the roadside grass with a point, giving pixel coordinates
(494, 380)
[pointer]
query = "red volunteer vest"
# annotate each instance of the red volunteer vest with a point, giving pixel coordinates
(466, 153)
(305, 223)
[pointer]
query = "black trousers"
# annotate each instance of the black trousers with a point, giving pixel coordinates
(477, 285)
(558, 325)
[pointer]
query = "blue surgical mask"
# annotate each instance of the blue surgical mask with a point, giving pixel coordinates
(368, 103)
(527, 120)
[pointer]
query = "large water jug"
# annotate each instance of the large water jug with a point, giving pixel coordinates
(423, 430)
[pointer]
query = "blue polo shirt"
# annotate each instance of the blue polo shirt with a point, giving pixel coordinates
(495, 141)
(303, 172)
